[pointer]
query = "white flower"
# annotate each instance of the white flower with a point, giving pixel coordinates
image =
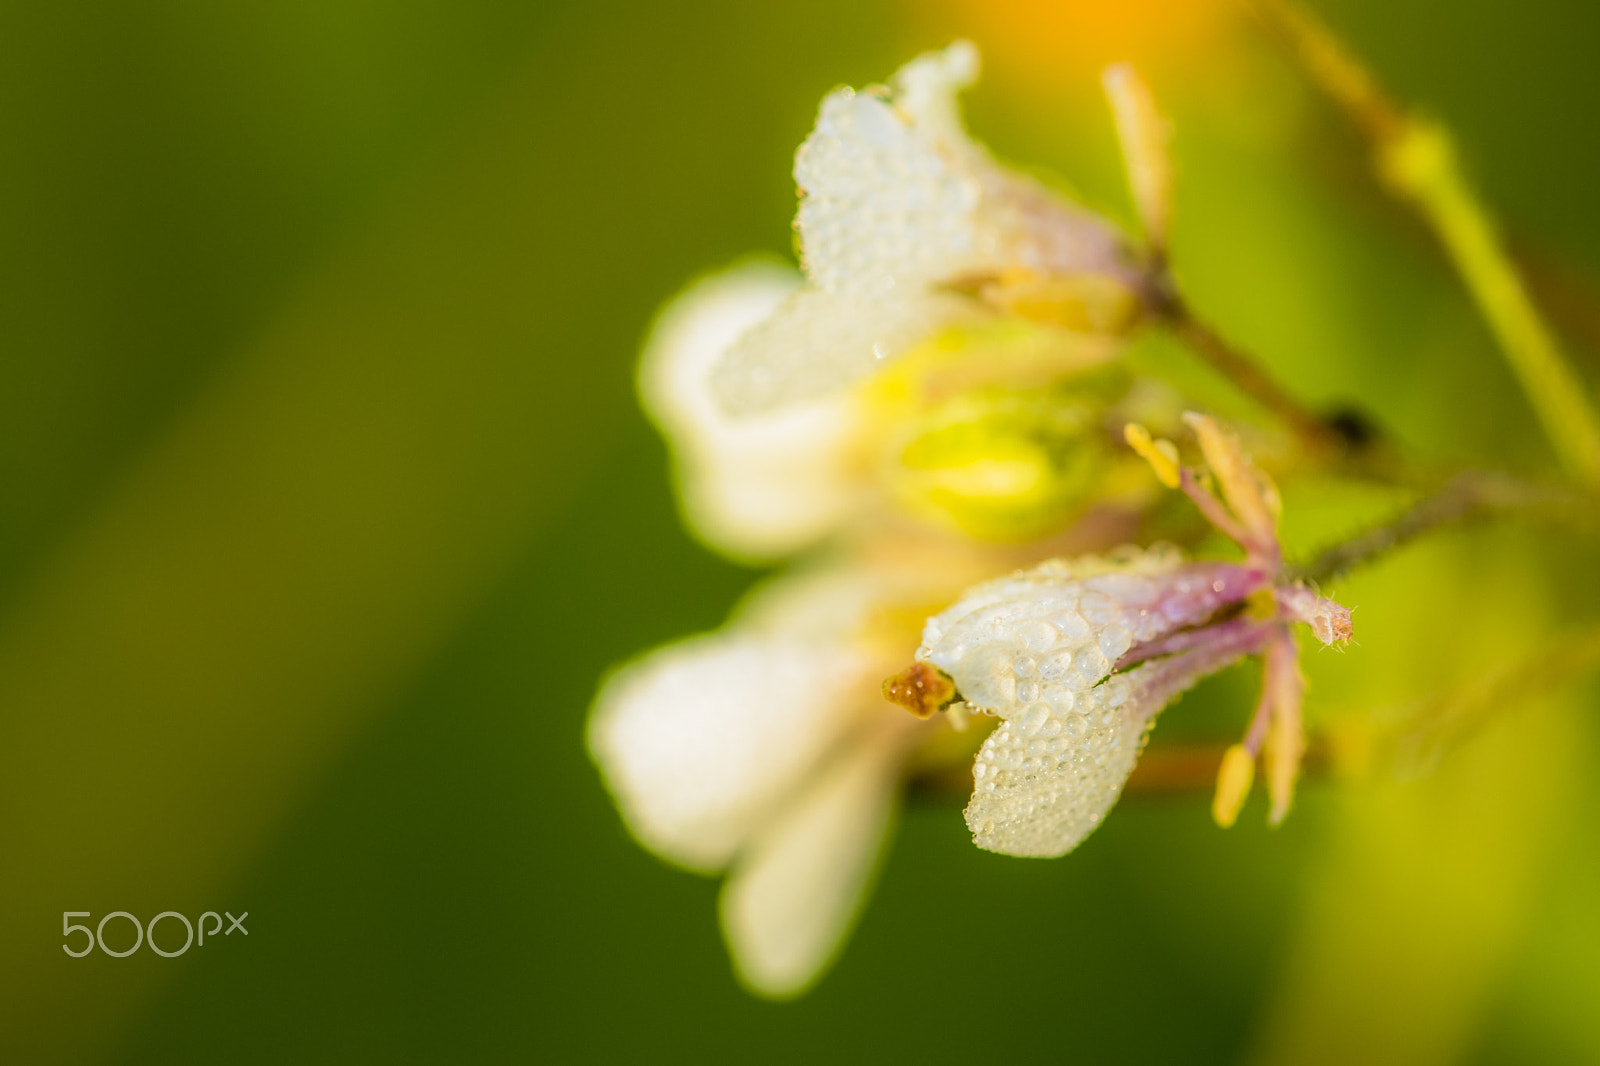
(906, 226)
(931, 274)
(755, 488)
(765, 749)
(1038, 649)
(1079, 657)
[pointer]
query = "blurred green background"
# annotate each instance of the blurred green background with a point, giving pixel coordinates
(325, 501)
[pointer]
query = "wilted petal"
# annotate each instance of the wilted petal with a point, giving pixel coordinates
(700, 741)
(794, 894)
(755, 487)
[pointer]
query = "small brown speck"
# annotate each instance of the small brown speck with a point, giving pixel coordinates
(920, 689)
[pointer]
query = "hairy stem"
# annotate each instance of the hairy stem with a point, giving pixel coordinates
(1466, 496)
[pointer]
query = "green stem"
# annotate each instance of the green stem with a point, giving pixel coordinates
(1417, 162)
(1469, 495)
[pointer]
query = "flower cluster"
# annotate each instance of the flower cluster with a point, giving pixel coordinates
(933, 402)
(1078, 658)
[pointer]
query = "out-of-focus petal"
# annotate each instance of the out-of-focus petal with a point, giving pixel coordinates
(758, 487)
(700, 741)
(794, 895)
(1143, 134)
(818, 343)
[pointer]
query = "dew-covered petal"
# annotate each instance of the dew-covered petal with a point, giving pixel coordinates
(1043, 781)
(1065, 625)
(700, 741)
(899, 208)
(759, 487)
(893, 188)
(794, 894)
(1049, 775)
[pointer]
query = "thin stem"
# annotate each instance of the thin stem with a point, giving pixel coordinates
(1466, 496)
(1416, 160)
(1315, 434)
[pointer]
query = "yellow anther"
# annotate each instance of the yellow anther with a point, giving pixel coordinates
(1234, 777)
(1162, 455)
(1232, 785)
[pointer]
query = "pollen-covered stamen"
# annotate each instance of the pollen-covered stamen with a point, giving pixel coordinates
(1234, 777)
(1162, 455)
(921, 689)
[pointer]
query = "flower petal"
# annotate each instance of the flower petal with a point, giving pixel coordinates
(896, 193)
(700, 741)
(819, 343)
(1048, 635)
(1047, 777)
(898, 206)
(759, 487)
(795, 893)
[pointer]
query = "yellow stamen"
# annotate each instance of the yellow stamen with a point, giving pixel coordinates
(1234, 777)
(1162, 455)
(1244, 488)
